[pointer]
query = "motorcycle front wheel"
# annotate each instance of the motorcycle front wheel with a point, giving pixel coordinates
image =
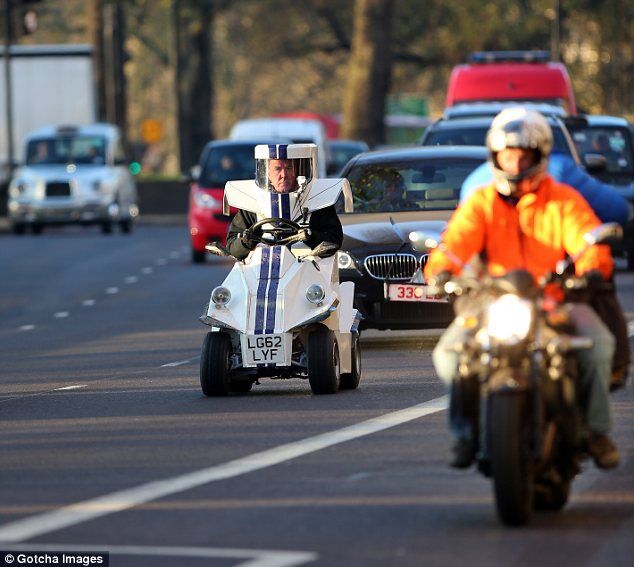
(510, 458)
(215, 363)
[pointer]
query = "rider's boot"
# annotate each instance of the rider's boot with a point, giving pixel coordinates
(603, 451)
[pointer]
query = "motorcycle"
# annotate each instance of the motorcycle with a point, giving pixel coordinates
(517, 380)
(281, 313)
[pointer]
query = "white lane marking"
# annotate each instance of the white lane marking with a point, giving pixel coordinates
(256, 557)
(161, 262)
(73, 514)
(27, 327)
(88, 302)
(61, 314)
(174, 254)
(112, 290)
(179, 363)
(147, 270)
(630, 329)
(131, 279)
(71, 387)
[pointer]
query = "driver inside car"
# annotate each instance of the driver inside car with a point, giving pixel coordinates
(285, 178)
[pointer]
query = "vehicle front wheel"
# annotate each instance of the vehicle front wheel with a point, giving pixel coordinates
(18, 228)
(198, 257)
(323, 362)
(350, 381)
(106, 227)
(126, 226)
(630, 260)
(215, 364)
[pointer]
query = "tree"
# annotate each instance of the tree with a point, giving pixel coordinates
(369, 72)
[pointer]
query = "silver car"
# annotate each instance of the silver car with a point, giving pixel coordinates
(73, 175)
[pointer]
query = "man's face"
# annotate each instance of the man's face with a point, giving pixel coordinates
(281, 175)
(515, 160)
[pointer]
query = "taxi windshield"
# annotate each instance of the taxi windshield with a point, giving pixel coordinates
(89, 150)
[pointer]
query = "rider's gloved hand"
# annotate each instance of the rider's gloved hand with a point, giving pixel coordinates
(304, 234)
(436, 284)
(247, 240)
(595, 281)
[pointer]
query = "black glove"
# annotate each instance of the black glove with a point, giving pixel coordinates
(247, 239)
(436, 284)
(303, 235)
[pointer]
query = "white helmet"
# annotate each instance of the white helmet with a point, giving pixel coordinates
(303, 158)
(518, 127)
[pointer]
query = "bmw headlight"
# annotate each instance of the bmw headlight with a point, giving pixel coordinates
(345, 261)
(315, 294)
(509, 319)
(220, 296)
(206, 201)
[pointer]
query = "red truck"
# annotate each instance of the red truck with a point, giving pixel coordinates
(511, 75)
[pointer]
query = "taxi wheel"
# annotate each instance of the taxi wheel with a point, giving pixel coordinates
(323, 362)
(198, 257)
(215, 364)
(106, 227)
(126, 226)
(18, 228)
(350, 381)
(37, 228)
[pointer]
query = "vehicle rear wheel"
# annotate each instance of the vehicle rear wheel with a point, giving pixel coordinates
(198, 257)
(510, 459)
(350, 381)
(215, 364)
(323, 362)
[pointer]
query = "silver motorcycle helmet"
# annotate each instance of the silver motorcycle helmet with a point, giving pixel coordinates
(518, 127)
(300, 158)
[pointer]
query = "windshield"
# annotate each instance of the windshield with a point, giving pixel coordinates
(227, 164)
(74, 149)
(477, 137)
(409, 186)
(613, 142)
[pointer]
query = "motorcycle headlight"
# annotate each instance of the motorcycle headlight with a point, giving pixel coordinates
(344, 260)
(206, 201)
(509, 319)
(220, 296)
(315, 294)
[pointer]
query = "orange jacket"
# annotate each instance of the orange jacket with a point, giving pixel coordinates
(542, 228)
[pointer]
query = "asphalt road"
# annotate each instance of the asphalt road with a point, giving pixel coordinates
(108, 443)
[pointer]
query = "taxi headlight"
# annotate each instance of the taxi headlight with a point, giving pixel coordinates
(509, 319)
(220, 295)
(315, 294)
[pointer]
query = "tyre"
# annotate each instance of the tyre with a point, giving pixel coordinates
(350, 381)
(125, 226)
(106, 227)
(551, 497)
(510, 459)
(37, 228)
(198, 257)
(240, 386)
(215, 364)
(630, 260)
(18, 228)
(323, 362)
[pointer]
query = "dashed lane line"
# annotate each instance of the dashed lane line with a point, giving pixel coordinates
(76, 387)
(253, 557)
(119, 501)
(178, 363)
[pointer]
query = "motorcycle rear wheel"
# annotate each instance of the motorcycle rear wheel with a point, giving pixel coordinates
(215, 363)
(350, 381)
(510, 459)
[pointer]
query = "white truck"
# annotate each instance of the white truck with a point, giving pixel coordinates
(51, 84)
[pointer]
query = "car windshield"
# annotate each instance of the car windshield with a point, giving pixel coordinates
(432, 184)
(226, 164)
(613, 142)
(90, 150)
(477, 137)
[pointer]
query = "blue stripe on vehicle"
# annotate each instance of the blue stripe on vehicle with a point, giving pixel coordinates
(275, 204)
(271, 304)
(261, 294)
(281, 151)
(286, 206)
(272, 151)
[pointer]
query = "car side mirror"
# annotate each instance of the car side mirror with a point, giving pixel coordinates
(595, 163)
(194, 173)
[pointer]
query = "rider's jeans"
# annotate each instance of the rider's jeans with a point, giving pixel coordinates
(595, 367)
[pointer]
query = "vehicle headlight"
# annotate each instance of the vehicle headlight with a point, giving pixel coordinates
(220, 296)
(345, 261)
(18, 189)
(509, 319)
(206, 201)
(315, 294)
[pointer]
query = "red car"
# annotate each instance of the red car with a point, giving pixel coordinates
(220, 161)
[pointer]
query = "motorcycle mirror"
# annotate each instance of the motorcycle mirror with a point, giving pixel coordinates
(217, 249)
(324, 249)
(603, 232)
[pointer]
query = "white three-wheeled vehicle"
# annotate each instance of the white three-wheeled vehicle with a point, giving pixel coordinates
(282, 312)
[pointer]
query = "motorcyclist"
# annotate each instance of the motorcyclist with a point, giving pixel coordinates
(285, 171)
(525, 219)
(609, 206)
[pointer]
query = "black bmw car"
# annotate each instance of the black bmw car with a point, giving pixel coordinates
(395, 192)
